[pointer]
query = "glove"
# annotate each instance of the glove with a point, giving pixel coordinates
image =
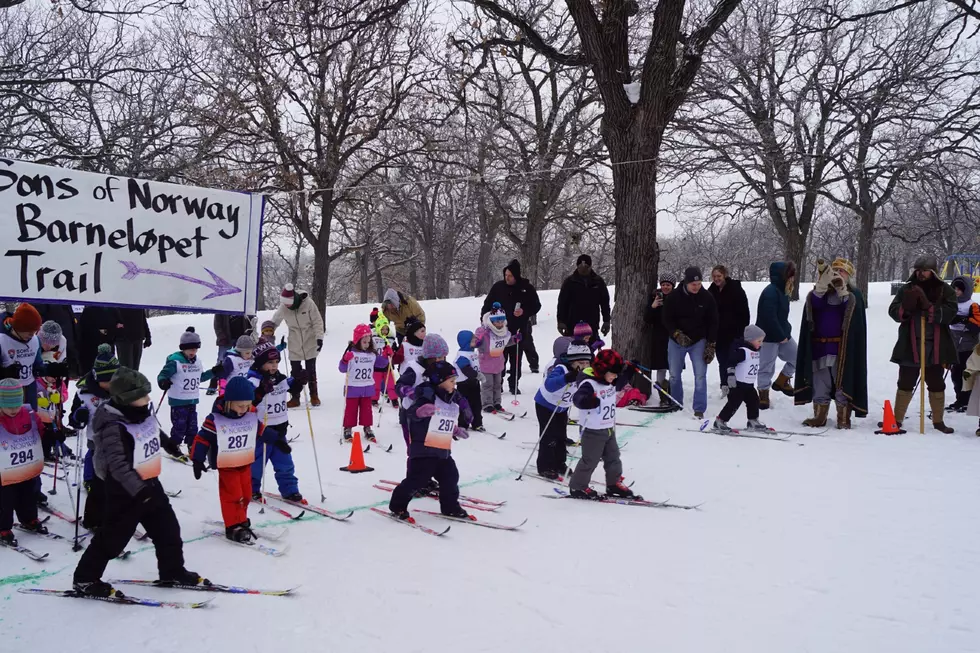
(267, 384)
(170, 446)
(79, 419)
(12, 371)
(605, 328)
(165, 384)
(590, 402)
(58, 370)
(150, 499)
(709, 353)
(387, 351)
(597, 345)
(570, 376)
(348, 356)
(319, 344)
(518, 337)
(425, 410)
(282, 341)
(966, 374)
(681, 338)
(562, 329)
(199, 469)
(217, 369)
(914, 300)
(409, 393)
(283, 446)
(147, 343)
(460, 433)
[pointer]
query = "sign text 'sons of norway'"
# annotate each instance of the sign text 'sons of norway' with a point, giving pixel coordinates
(87, 238)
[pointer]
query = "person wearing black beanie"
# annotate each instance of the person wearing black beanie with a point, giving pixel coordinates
(582, 298)
(520, 303)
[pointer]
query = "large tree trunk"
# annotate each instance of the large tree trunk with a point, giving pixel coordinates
(321, 259)
(413, 275)
(483, 264)
(531, 249)
(865, 244)
(794, 246)
(430, 274)
(379, 284)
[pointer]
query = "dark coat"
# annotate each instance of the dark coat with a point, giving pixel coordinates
(694, 315)
(733, 310)
(228, 328)
(91, 324)
(772, 315)
(658, 333)
(942, 297)
(508, 296)
(135, 326)
(418, 427)
(582, 299)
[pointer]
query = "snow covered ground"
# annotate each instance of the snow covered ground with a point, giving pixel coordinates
(850, 542)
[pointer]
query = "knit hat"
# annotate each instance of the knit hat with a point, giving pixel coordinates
(11, 394)
(515, 268)
(607, 360)
(263, 353)
(239, 389)
(583, 258)
(497, 312)
(391, 296)
(127, 386)
(245, 342)
(463, 339)
(25, 319)
(560, 346)
(50, 334)
(434, 346)
(374, 315)
(578, 350)
(360, 331)
(189, 339)
(752, 332)
(692, 273)
(381, 323)
(412, 325)
(669, 277)
(582, 330)
(287, 295)
(844, 265)
(106, 363)
(268, 324)
(439, 372)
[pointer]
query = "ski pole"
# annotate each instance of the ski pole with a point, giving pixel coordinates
(164, 396)
(517, 374)
(309, 420)
(265, 421)
(57, 443)
(520, 477)
(922, 375)
(665, 393)
(78, 487)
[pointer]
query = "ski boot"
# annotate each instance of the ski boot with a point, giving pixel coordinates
(98, 589)
(7, 537)
(620, 490)
(35, 526)
(489, 409)
(430, 490)
(698, 415)
(458, 513)
(184, 577)
(587, 493)
(348, 438)
(374, 403)
(296, 497)
(401, 515)
(240, 533)
(721, 426)
(757, 426)
(498, 408)
(394, 403)
(369, 434)
(480, 428)
(257, 497)
(550, 474)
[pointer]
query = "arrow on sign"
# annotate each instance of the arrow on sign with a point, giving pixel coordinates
(219, 287)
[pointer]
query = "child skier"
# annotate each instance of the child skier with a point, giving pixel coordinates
(438, 414)
(596, 399)
(20, 350)
(411, 346)
(742, 373)
(128, 443)
(238, 361)
(272, 390)
(358, 364)
(492, 338)
(384, 378)
(433, 350)
(21, 463)
(181, 378)
(552, 401)
(227, 442)
(468, 372)
(52, 389)
(267, 333)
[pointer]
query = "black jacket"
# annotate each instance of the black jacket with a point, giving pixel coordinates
(658, 332)
(733, 310)
(135, 327)
(508, 296)
(582, 299)
(91, 324)
(695, 315)
(228, 328)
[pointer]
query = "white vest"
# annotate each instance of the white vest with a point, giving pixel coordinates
(236, 439)
(411, 352)
(13, 350)
(241, 366)
(474, 359)
(561, 398)
(91, 402)
(360, 369)
(442, 424)
(187, 380)
(273, 410)
(21, 458)
(379, 343)
(415, 367)
(748, 370)
(497, 343)
(146, 449)
(604, 415)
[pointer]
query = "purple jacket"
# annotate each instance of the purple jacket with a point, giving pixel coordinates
(488, 364)
(827, 325)
(354, 392)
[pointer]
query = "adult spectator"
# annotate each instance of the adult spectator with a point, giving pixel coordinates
(398, 307)
(691, 319)
(520, 302)
(227, 330)
(653, 315)
(772, 317)
(582, 298)
(733, 316)
(305, 338)
(65, 317)
(135, 335)
(925, 300)
(964, 329)
(96, 325)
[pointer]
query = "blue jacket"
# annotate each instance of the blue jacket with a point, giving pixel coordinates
(554, 382)
(264, 383)
(773, 313)
(418, 427)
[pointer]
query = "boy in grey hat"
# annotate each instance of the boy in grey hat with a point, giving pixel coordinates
(742, 374)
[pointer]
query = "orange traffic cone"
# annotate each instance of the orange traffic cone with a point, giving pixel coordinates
(889, 426)
(357, 465)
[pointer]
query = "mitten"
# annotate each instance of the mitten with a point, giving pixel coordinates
(460, 433)
(217, 369)
(709, 353)
(57, 370)
(518, 337)
(425, 410)
(319, 344)
(165, 384)
(387, 351)
(605, 328)
(597, 345)
(348, 356)
(283, 446)
(590, 402)
(170, 445)
(570, 376)
(282, 341)
(11, 371)
(147, 342)
(300, 377)
(199, 469)
(681, 338)
(562, 329)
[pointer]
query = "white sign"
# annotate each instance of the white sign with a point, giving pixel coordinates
(85, 238)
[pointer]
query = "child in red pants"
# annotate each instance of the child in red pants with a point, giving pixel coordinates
(384, 377)
(227, 441)
(359, 363)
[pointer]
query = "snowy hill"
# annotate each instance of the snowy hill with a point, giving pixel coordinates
(850, 542)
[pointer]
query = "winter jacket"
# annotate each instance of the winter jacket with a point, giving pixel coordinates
(39, 364)
(170, 368)
(65, 317)
(264, 383)
(418, 427)
(205, 445)
(582, 299)
(305, 327)
(399, 356)
(942, 311)
(135, 327)
(733, 310)
(966, 324)
(583, 399)
(21, 422)
(658, 332)
(228, 328)
(772, 315)
(93, 321)
(522, 291)
(408, 307)
(490, 364)
(354, 392)
(554, 382)
(113, 458)
(694, 315)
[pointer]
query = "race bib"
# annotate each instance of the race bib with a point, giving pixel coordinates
(747, 371)
(187, 381)
(274, 405)
(379, 343)
(25, 353)
(441, 425)
(360, 370)
(497, 345)
(604, 415)
(411, 352)
(146, 448)
(21, 458)
(236, 439)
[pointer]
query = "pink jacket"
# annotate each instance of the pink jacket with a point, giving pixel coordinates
(488, 364)
(21, 422)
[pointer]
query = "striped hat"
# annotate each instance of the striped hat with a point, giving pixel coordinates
(106, 363)
(582, 330)
(669, 277)
(11, 394)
